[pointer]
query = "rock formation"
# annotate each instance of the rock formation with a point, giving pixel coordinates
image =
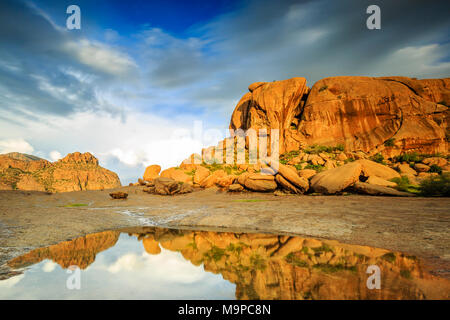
(75, 172)
(360, 113)
(401, 124)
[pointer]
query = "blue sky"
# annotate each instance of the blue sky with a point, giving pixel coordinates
(131, 84)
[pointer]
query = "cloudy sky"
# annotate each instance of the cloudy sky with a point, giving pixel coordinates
(146, 82)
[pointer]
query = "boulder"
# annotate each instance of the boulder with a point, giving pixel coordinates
(316, 159)
(307, 173)
(186, 188)
(152, 172)
(405, 169)
(291, 175)
(426, 175)
(370, 168)
(341, 157)
(420, 167)
(374, 190)
(362, 113)
(242, 177)
(380, 182)
(177, 174)
(271, 105)
(259, 182)
(201, 173)
(166, 186)
(142, 182)
(236, 187)
(438, 161)
(191, 163)
(119, 195)
(151, 246)
(211, 180)
(286, 185)
(336, 180)
(225, 182)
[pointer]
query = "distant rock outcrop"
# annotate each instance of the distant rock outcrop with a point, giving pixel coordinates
(75, 172)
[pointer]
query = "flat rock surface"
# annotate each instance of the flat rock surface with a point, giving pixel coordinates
(417, 226)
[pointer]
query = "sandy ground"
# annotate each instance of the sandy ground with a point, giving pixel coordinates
(417, 226)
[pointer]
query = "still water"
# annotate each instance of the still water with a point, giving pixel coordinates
(159, 263)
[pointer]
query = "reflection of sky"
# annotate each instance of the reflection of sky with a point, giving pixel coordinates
(125, 271)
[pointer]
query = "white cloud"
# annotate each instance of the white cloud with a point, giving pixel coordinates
(415, 61)
(101, 57)
(15, 145)
(55, 155)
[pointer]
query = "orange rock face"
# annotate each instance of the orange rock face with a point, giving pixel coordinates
(152, 172)
(361, 113)
(270, 105)
(76, 172)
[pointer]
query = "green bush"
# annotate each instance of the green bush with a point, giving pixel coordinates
(389, 142)
(409, 157)
(316, 149)
(435, 168)
(377, 158)
(404, 185)
(316, 167)
(436, 186)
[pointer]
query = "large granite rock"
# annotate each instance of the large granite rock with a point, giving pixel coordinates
(152, 172)
(260, 182)
(361, 113)
(336, 180)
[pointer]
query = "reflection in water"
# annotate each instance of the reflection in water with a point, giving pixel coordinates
(171, 264)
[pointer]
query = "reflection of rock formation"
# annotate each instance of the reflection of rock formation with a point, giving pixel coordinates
(80, 252)
(281, 267)
(267, 266)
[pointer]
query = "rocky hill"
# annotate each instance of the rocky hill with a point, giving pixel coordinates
(76, 172)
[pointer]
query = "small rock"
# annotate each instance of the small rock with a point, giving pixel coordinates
(374, 190)
(119, 195)
(307, 173)
(420, 167)
(236, 187)
(380, 182)
(438, 161)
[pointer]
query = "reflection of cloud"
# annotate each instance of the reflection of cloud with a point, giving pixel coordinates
(49, 266)
(11, 282)
(167, 265)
